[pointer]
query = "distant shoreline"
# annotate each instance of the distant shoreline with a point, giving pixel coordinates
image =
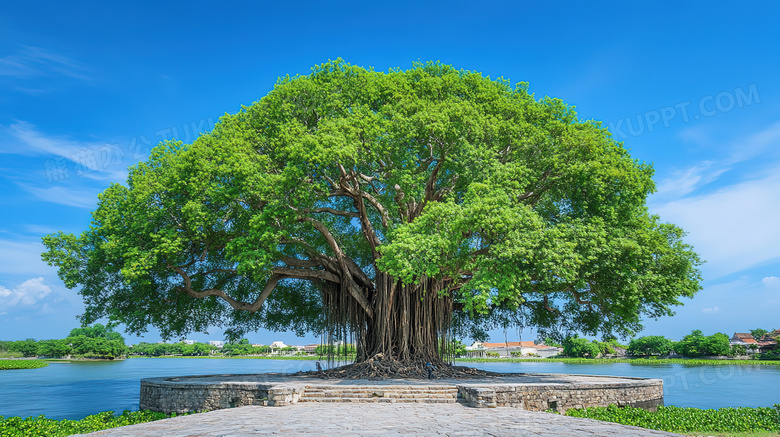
(639, 361)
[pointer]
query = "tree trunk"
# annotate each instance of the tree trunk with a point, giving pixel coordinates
(409, 327)
(410, 322)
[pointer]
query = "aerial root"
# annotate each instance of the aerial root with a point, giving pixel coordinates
(381, 367)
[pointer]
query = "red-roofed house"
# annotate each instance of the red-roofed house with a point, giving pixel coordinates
(746, 340)
(769, 341)
(742, 339)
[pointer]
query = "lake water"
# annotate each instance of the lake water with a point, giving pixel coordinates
(78, 389)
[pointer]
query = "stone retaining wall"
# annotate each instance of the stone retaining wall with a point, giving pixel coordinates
(648, 395)
(205, 393)
(170, 396)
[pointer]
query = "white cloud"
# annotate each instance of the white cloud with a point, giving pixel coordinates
(733, 228)
(683, 182)
(39, 229)
(27, 294)
(27, 140)
(92, 160)
(712, 310)
(756, 144)
(771, 282)
(65, 196)
(22, 258)
(35, 62)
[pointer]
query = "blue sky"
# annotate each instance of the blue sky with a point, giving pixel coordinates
(86, 89)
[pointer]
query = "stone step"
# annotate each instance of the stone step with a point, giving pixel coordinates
(371, 390)
(375, 394)
(390, 386)
(381, 400)
(382, 395)
(382, 387)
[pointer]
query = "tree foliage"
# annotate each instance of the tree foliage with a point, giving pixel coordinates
(196, 349)
(394, 207)
(696, 344)
(577, 347)
(651, 345)
(758, 333)
(96, 341)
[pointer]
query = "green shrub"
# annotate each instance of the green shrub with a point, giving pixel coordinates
(21, 364)
(576, 347)
(689, 420)
(44, 427)
(697, 344)
(650, 345)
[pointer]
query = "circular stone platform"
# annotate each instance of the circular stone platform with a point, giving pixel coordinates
(527, 391)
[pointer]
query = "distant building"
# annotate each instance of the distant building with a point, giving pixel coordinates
(774, 334)
(278, 345)
(217, 343)
(769, 341)
(310, 348)
(545, 351)
(188, 341)
(506, 349)
(743, 339)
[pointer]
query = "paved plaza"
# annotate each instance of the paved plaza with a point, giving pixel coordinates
(376, 420)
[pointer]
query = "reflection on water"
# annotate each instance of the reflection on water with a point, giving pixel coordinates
(75, 390)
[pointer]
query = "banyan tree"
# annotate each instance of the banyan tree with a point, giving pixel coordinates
(390, 209)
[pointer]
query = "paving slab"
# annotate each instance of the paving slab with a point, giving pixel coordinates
(316, 419)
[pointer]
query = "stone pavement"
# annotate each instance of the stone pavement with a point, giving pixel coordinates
(376, 420)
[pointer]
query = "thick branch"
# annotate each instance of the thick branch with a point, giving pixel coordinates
(546, 305)
(335, 212)
(307, 274)
(346, 275)
(379, 207)
(295, 262)
(238, 305)
(326, 261)
(368, 229)
(278, 274)
(578, 298)
(430, 188)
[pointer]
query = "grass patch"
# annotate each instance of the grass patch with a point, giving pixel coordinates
(726, 421)
(21, 364)
(742, 434)
(8, 354)
(44, 427)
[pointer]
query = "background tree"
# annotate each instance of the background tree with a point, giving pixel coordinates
(28, 347)
(96, 341)
(758, 333)
(458, 348)
(605, 347)
(54, 348)
(388, 210)
(577, 347)
(696, 344)
(651, 345)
